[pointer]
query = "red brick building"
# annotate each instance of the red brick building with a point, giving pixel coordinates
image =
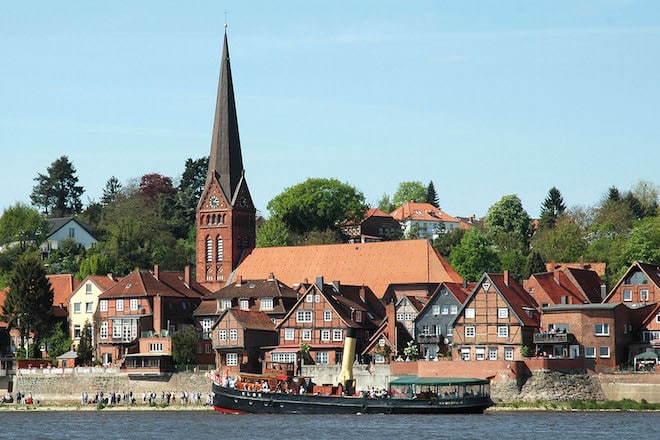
(565, 286)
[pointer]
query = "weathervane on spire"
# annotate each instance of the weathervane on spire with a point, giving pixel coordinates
(225, 21)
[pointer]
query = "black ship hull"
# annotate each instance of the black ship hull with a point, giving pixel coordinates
(231, 400)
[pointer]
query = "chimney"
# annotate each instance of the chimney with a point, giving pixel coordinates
(271, 276)
(363, 295)
(464, 283)
(111, 276)
(239, 281)
(506, 277)
(186, 275)
(319, 282)
(156, 271)
(337, 285)
(603, 291)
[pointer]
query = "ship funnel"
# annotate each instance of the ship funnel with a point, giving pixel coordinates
(345, 377)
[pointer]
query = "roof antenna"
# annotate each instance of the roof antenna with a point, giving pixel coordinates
(225, 21)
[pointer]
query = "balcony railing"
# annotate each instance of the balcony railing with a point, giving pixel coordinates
(430, 339)
(550, 338)
(648, 336)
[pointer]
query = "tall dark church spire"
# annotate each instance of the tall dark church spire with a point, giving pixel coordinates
(225, 159)
(226, 216)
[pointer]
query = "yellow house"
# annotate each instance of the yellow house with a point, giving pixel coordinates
(83, 301)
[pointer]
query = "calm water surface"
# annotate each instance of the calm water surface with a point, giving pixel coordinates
(202, 425)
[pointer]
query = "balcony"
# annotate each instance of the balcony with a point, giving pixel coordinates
(550, 338)
(651, 336)
(430, 339)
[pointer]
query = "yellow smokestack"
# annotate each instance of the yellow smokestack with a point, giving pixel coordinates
(345, 377)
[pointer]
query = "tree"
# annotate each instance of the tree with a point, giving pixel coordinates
(193, 178)
(565, 242)
(311, 238)
(508, 225)
(111, 191)
(535, 264)
(180, 209)
(647, 194)
(413, 191)
(95, 264)
(58, 192)
(57, 342)
(273, 232)
(644, 242)
(22, 224)
(385, 204)
(154, 185)
(318, 204)
(474, 256)
(446, 242)
(85, 348)
(551, 209)
(184, 346)
(432, 196)
(29, 302)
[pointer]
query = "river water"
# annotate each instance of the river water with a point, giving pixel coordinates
(203, 425)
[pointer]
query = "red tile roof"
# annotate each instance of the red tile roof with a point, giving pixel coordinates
(3, 298)
(599, 268)
(103, 282)
(421, 212)
(252, 320)
(588, 283)
(142, 282)
(459, 291)
(63, 285)
(373, 264)
(520, 301)
(371, 212)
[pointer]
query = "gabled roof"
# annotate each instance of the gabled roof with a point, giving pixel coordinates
(143, 283)
(55, 224)
(397, 291)
(176, 280)
(599, 268)
(372, 264)
(587, 282)
(652, 271)
(103, 282)
(371, 212)
(415, 301)
(379, 334)
(421, 212)
(63, 286)
(250, 320)
(460, 291)
(556, 285)
(520, 302)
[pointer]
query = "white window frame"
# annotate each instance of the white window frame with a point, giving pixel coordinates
(508, 353)
(231, 359)
(103, 331)
(116, 328)
(306, 334)
(89, 307)
(88, 288)
(503, 313)
(119, 305)
(436, 310)
(77, 306)
(444, 310)
(337, 334)
(309, 298)
(408, 317)
(358, 316)
(480, 353)
(245, 304)
(233, 334)
(327, 315)
(266, 304)
(470, 331)
(453, 309)
(450, 330)
(103, 305)
(465, 354)
(134, 305)
(77, 331)
(304, 316)
(643, 295)
(225, 304)
(502, 331)
(322, 358)
(492, 353)
(400, 316)
(604, 329)
(222, 334)
(627, 295)
(600, 351)
(325, 335)
(590, 352)
(289, 334)
(470, 313)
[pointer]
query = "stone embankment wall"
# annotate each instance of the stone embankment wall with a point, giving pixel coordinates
(56, 386)
(550, 386)
(631, 386)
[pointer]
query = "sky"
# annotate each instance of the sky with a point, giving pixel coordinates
(484, 98)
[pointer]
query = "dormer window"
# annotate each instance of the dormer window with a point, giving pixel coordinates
(358, 316)
(266, 303)
(226, 304)
(245, 304)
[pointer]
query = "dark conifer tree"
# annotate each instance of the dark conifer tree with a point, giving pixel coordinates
(551, 209)
(432, 196)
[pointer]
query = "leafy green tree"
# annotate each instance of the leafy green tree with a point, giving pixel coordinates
(385, 204)
(67, 258)
(552, 208)
(85, 348)
(58, 192)
(272, 233)
(318, 204)
(23, 225)
(180, 209)
(535, 264)
(95, 264)
(29, 301)
(508, 225)
(647, 194)
(311, 238)
(413, 191)
(111, 191)
(565, 242)
(57, 342)
(513, 261)
(432, 196)
(174, 257)
(184, 346)
(644, 242)
(446, 242)
(474, 256)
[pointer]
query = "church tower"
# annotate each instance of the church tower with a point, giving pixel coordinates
(225, 213)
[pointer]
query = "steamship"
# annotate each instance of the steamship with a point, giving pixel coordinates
(405, 395)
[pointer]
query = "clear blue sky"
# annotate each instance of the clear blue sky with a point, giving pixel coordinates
(485, 98)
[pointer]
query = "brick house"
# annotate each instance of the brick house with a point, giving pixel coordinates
(433, 325)
(602, 334)
(565, 286)
(320, 318)
(376, 226)
(137, 316)
(269, 296)
(237, 338)
(496, 321)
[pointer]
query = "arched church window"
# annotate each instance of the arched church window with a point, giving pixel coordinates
(209, 249)
(219, 249)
